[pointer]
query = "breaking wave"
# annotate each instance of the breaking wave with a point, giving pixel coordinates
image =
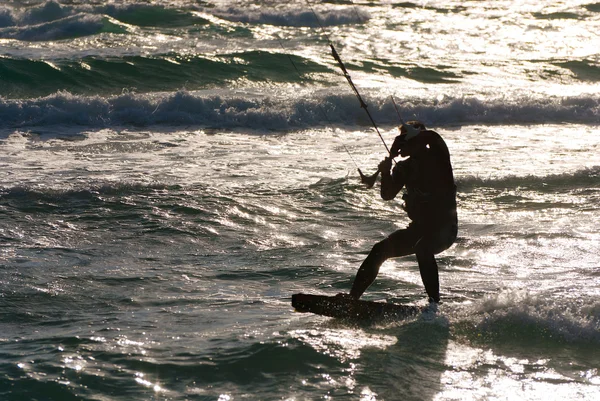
(583, 178)
(522, 316)
(232, 109)
(294, 17)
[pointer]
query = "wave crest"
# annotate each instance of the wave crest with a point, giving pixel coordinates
(293, 18)
(231, 109)
(583, 178)
(521, 315)
(54, 21)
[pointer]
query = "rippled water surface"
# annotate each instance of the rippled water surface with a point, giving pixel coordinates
(172, 171)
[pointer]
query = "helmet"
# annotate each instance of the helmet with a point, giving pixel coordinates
(411, 129)
(408, 131)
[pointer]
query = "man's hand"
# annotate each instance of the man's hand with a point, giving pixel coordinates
(385, 166)
(399, 142)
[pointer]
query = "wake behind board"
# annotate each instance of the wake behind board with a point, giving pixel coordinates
(344, 308)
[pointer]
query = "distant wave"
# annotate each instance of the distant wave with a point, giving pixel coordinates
(33, 194)
(231, 109)
(588, 178)
(66, 28)
(583, 178)
(593, 7)
(95, 74)
(293, 17)
(162, 72)
(54, 21)
(586, 70)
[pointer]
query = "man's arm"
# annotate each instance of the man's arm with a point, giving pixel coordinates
(391, 184)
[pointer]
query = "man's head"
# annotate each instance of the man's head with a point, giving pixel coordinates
(408, 132)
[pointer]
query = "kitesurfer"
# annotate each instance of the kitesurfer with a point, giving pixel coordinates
(429, 200)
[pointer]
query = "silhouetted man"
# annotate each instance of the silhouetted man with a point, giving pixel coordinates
(429, 201)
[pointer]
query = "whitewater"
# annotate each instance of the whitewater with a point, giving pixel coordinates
(173, 171)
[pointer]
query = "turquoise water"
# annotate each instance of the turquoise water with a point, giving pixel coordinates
(173, 171)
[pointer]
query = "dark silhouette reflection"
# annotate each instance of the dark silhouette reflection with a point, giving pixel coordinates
(412, 368)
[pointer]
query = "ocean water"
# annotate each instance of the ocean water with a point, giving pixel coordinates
(173, 171)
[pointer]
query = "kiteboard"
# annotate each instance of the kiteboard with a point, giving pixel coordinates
(351, 309)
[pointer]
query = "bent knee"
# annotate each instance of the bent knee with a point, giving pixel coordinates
(380, 248)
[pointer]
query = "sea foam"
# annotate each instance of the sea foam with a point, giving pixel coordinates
(293, 17)
(521, 314)
(233, 109)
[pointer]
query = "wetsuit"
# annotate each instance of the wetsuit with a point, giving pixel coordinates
(430, 202)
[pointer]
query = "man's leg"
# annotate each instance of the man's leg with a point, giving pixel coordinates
(432, 243)
(399, 243)
(429, 274)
